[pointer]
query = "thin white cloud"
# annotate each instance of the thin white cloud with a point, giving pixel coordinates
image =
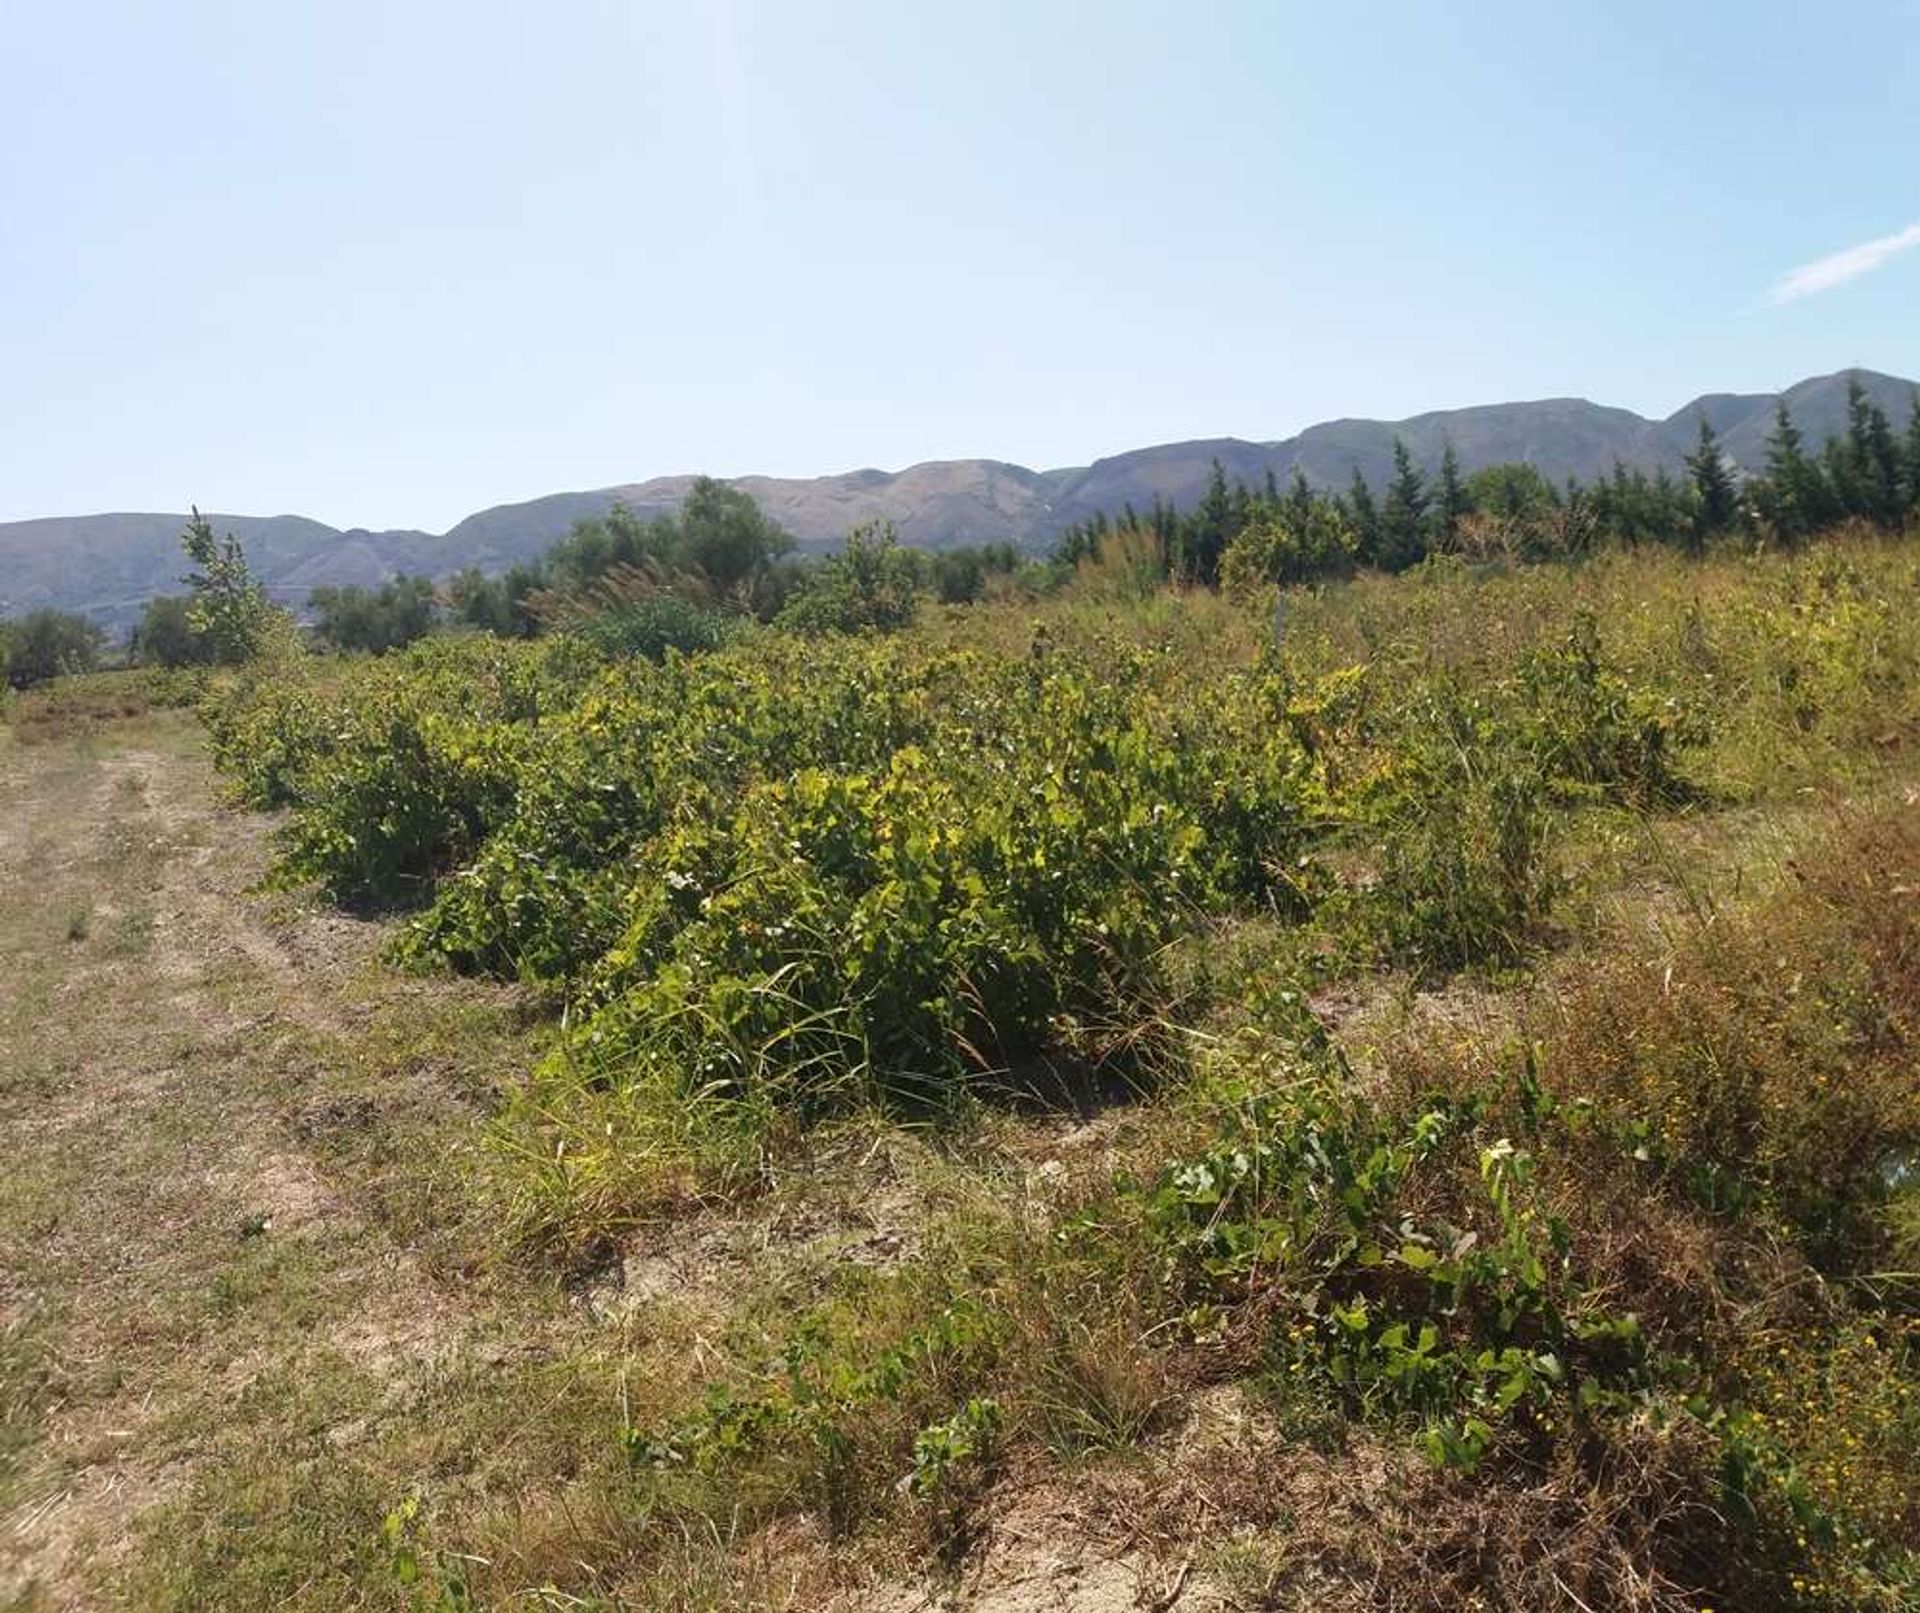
(1837, 268)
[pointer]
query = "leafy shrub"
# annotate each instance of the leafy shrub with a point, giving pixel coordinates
(1344, 1233)
(647, 748)
(795, 866)
(399, 771)
(870, 583)
(1476, 774)
(943, 1448)
(1822, 1456)
(848, 1395)
(1464, 818)
(1287, 546)
(1588, 726)
(652, 626)
(415, 793)
(958, 906)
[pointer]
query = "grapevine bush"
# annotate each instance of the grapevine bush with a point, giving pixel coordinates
(792, 867)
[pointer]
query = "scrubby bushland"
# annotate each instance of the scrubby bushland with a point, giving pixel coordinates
(718, 549)
(1621, 1288)
(1628, 1385)
(883, 864)
(876, 863)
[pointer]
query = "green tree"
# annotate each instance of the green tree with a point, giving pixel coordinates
(49, 643)
(228, 608)
(1210, 528)
(871, 584)
(1864, 464)
(1633, 508)
(165, 635)
(500, 605)
(1364, 516)
(1300, 498)
(717, 550)
(1885, 495)
(959, 576)
(1515, 513)
(1512, 491)
(1279, 545)
(375, 619)
(1403, 518)
(1456, 501)
(723, 536)
(599, 544)
(1716, 507)
(1794, 496)
(1910, 458)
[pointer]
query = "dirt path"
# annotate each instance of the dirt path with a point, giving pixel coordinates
(202, 1226)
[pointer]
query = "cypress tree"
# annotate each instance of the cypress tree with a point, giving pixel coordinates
(1884, 492)
(1455, 501)
(1788, 473)
(1239, 510)
(1910, 457)
(1715, 505)
(1366, 519)
(1850, 458)
(1300, 497)
(1403, 521)
(1209, 528)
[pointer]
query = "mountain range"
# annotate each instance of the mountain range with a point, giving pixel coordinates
(109, 565)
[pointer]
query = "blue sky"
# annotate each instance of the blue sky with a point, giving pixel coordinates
(385, 264)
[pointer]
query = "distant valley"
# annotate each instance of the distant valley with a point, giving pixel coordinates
(108, 565)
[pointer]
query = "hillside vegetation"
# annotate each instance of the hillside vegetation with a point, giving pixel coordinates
(109, 566)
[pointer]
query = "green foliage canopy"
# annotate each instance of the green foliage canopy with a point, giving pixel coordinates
(228, 609)
(47, 644)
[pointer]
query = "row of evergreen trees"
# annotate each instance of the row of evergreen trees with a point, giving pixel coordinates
(1269, 534)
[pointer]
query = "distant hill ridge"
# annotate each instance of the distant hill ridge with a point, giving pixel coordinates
(108, 565)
